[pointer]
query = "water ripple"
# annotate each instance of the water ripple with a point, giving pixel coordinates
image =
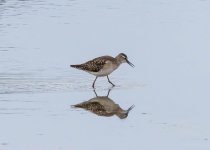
(26, 83)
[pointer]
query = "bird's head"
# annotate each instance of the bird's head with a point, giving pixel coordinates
(122, 58)
(124, 113)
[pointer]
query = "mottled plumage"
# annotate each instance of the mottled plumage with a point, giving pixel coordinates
(103, 66)
(94, 107)
(94, 65)
(103, 106)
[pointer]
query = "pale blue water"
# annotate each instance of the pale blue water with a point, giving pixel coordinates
(167, 41)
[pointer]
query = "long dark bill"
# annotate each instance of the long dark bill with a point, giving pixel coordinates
(132, 65)
(129, 109)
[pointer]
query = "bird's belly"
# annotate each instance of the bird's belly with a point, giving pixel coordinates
(102, 73)
(105, 71)
(108, 68)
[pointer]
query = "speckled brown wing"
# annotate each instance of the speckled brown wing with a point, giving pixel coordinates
(94, 65)
(94, 107)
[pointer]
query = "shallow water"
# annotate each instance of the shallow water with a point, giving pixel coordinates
(167, 41)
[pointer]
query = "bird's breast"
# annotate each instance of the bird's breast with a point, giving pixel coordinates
(108, 68)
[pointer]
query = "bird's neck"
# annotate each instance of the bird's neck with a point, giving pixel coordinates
(118, 60)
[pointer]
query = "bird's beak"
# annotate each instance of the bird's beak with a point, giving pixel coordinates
(129, 109)
(132, 65)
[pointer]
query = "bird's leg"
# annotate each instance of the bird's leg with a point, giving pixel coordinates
(110, 81)
(108, 92)
(94, 82)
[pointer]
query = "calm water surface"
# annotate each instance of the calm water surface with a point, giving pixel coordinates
(168, 41)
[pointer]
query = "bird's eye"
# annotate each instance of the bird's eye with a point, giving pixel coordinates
(124, 57)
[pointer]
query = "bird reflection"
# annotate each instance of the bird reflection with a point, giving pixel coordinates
(104, 106)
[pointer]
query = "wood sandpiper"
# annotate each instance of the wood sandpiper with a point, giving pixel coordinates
(104, 106)
(103, 66)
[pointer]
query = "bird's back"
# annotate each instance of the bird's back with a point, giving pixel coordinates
(102, 106)
(95, 108)
(94, 65)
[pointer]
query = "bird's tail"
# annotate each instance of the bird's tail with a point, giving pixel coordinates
(74, 106)
(76, 66)
(78, 106)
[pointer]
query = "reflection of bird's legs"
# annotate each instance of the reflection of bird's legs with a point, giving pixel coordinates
(94, 82)
(95, 92)
(109, 92)
(106, 95)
